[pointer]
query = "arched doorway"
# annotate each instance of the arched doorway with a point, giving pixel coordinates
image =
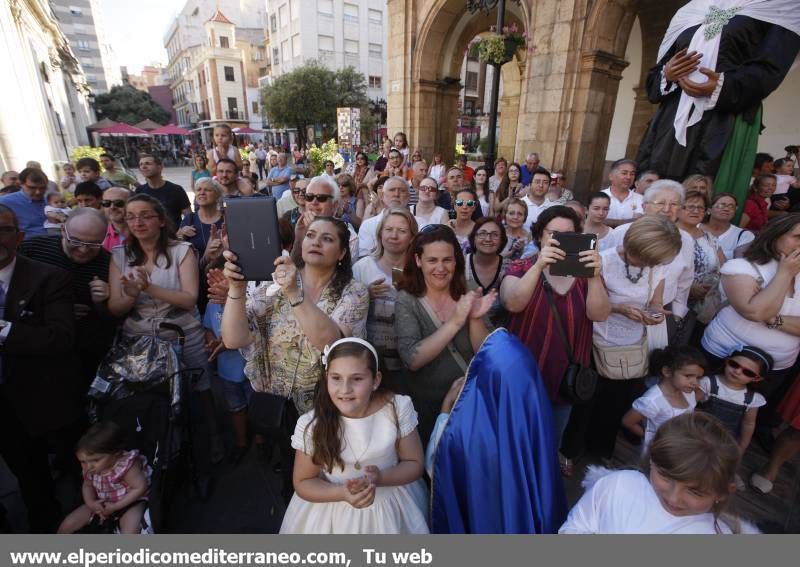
(426, 101)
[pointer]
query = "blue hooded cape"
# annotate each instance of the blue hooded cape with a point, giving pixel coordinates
(496, 468)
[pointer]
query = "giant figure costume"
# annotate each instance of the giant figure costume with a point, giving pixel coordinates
(753, 45)
(495, 467)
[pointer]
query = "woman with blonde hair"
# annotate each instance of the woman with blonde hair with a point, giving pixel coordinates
(379, 272)
(634, 277)
(700, 183)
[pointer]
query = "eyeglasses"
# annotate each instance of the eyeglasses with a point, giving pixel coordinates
(694, 208)
(746, 371)
(297, 191)
(318, 198)
(728, 206)
(428, 188)
(482, 234)
(118, 203)
(663, 205)
(462, 202)
(130, 219)
(75, 243)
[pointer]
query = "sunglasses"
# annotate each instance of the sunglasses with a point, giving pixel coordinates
(428, 228)
(119, 203)
(428, 188)
(462, 202)
(318, 198)
(746, 371)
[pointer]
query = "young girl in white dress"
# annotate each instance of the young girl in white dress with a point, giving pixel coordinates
(679, 370)
(683, 486)
(359, 459)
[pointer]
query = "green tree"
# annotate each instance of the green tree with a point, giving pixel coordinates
(124, 103)
(310, 95)
(301, 98)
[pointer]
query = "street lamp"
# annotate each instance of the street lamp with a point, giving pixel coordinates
(486, 5)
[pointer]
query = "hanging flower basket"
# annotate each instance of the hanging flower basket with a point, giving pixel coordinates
(499, 48)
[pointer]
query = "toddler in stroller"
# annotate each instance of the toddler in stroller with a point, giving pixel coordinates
(116, 482)
(142, 388)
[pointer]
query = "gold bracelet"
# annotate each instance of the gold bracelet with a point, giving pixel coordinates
(231, 297)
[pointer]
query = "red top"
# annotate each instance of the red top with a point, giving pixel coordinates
(536, 327)
(757, 209)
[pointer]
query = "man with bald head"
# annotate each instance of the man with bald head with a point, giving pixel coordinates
(79, 251)
(529, 168)
(395, 194)
(321, 200)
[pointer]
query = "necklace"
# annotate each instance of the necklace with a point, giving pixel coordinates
(632, 279)
(357, 464)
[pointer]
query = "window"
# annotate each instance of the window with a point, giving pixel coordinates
(325, 46)
(233, 108)
(255, 107)
(472, 80)
(273, 23)
(294, 10)
(285, 50)
(283, 15)
(229, 73)
(374, 82)
(76, 11)
(325, 8)
(376, 17)
(296, 45)
(351, 46)
(83, 45)
(375, 50)
(223, 41)
(276, 56)
(351, 13)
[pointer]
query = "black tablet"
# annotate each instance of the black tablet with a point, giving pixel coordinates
(252, 225)
(573, 243)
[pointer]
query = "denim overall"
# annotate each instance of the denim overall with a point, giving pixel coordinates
(730, 414)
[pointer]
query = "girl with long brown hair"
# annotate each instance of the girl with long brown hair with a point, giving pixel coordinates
(358, 448)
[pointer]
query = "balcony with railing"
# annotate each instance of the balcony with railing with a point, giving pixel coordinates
(234, 115)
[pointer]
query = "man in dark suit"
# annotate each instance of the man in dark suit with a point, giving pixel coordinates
(39, 392)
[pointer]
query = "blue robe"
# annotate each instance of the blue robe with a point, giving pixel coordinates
(496, 468)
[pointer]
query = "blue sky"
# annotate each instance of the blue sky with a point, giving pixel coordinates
(136, 30)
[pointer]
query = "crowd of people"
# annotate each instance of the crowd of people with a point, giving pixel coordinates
(394, 274)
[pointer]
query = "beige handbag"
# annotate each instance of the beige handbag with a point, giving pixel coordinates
(622, 362)
(625, 362)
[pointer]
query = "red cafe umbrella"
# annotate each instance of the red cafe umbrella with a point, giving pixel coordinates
(246, 130)
(122, 129)
(170, 130)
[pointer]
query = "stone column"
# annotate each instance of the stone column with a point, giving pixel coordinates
(595, 98)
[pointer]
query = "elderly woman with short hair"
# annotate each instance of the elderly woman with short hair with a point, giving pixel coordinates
(665, 198)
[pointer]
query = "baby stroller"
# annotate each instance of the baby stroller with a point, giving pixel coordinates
(142, 388)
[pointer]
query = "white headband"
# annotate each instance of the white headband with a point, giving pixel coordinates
(329, 348)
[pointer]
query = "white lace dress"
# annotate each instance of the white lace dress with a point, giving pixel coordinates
(371, 441)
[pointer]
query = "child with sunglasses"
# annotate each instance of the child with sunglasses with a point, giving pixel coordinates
(730, 397)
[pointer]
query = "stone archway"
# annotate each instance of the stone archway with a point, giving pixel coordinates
(425, 88)
(567, 87)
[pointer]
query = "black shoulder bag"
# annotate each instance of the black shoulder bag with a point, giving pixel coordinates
(579, 382)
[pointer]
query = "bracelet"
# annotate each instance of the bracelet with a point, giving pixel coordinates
(298, 302)
(777, 323)
(231, 297)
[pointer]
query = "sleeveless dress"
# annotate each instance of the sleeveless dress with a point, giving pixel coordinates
(371, 441)
(110, 486)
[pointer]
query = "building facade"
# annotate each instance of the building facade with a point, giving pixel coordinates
(47, 111)
(578, 99)
(215, 60)
(338, 33)
(82, 23)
